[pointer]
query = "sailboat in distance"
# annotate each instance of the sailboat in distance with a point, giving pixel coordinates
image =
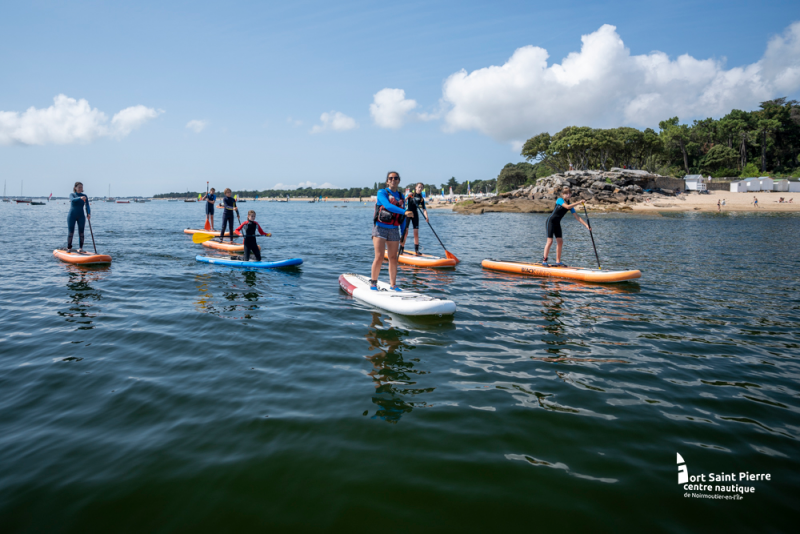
(4, 192)
(109, 198)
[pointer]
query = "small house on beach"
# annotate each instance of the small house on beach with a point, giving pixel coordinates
(739, 187)
(794, 187)
(694, 182)
(765, 183)
(780, 185)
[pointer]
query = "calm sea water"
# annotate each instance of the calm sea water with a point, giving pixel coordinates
(160, 394)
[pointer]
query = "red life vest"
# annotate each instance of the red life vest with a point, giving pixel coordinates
(384, 216)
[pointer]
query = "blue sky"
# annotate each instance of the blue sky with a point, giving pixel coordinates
(257, 77)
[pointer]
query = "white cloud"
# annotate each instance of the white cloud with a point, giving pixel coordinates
(335, 121)
(294, 122)
(69, 121)
(196, 125)
(603, 85)
(287, 187)
(390, 108)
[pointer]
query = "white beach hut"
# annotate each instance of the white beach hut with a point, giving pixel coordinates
(752, 184)
(765, 183)
(780, 185)
(739, 187)
(694, 182)
(794, 187)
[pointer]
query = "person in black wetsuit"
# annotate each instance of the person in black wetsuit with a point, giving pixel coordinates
(210, 198)
(416, 203)
(554, 226)
(250, 228)
(229, 205)
(77, 200)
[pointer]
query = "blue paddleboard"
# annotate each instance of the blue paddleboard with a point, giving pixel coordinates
(251, 264)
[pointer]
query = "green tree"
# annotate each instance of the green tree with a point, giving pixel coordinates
(720, 157)
(676, 135)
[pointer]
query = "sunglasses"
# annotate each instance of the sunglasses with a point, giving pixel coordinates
(394, 178)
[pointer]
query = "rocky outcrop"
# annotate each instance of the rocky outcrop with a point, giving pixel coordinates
(610, 190)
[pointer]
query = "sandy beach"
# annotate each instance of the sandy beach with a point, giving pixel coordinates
(767, 201)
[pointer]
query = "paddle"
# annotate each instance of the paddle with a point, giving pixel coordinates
(449, 255)
(90, 228)
(589, 224)
(208, 225)
(200, 237)
(402, 247)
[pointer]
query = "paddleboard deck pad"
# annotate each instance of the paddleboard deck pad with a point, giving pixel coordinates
(212, 232)
(250, 264)
(79, 258)
(400, 302)
(425, 260)
(573, 273)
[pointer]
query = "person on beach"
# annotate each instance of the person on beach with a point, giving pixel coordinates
(210, 198)
(554, 226)
(416, 203)
(388, 223)
(755, 201)
(77, 200)
(229, 205)
(719, 205)
(250, 228)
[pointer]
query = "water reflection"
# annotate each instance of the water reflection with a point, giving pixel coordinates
(83, 298)
(393, 373)
(240, 299)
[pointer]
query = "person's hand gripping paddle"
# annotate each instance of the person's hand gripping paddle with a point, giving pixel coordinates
(589, 224)
(449, 255)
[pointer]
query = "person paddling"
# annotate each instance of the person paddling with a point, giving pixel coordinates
(389, 222)
(229, 204)
(554, 226)
(416, 203)
(250, 228)
(210, 198)
(77, 200)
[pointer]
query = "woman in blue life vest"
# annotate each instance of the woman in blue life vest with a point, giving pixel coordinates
(389, 222)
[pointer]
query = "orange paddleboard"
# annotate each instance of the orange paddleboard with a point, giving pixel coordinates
(574, 273)
(226, 246)
(425, 260)
(84, 258)
(202, 231)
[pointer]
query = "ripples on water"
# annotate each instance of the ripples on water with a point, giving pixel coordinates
(163, 394)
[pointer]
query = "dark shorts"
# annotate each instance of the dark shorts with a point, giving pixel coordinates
(389, 234)
(209, 208)
(553, 229)
(415, 220)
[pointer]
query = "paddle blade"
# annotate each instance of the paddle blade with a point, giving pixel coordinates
(207, 226)
(202, 238)
(451, 256)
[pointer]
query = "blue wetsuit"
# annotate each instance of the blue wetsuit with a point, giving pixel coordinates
(383, 200)
(210, 199)
(76, 215)
(554, 221)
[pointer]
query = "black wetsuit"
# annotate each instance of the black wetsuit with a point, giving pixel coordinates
(416, 202)
(248, 230)
(554, 221)
(229, 203)
(210, 198)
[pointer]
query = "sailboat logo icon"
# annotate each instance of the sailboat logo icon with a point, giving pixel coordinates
(683, 471)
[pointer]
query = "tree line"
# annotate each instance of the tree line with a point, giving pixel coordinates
(742, 143)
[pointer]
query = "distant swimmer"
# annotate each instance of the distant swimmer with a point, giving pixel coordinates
(554, 226)
(77, 201)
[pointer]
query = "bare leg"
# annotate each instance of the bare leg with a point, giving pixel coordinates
(211, 221)
(559, 247)
(416, 236)
(393, 246)
(547, 247)
(377, 263)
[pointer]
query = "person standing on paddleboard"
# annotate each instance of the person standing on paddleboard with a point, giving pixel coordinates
(210, 198)
(389, 222)
(229, 205)
(554, 226)
(77, 200)
(416, 203)
(250, 228)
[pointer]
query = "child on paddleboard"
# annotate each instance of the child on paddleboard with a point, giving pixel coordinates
(229, 205)
(554, 226)
(416, 203)
(210, 198)
(250, 228)
(77, 200)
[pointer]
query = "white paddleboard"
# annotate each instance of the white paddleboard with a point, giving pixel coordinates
(400, 302)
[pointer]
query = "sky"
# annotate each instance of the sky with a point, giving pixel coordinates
(154, 97)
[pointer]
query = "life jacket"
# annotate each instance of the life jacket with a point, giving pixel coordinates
(384, 216)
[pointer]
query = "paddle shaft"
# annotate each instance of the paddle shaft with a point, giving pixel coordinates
(591, 234)
(437, 235)
(91, 232)
(401, 246)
